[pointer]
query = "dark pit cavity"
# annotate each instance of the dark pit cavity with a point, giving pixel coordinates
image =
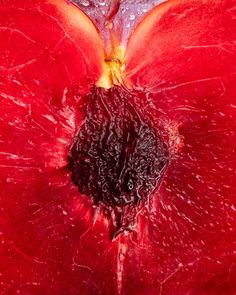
(117, 158)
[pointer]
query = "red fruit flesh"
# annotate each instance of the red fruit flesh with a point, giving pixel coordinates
(183, 238)
(47, 60)
(190, 69)
(188, 41)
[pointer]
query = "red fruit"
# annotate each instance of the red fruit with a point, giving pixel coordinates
(154, 156)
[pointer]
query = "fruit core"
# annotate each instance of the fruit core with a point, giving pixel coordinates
(117, 157)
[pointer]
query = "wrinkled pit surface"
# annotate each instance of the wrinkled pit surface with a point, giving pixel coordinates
(117, 158)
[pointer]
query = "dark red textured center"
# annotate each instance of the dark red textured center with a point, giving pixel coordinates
(117, 157)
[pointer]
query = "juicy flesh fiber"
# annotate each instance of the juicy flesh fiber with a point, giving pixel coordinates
(181, 60)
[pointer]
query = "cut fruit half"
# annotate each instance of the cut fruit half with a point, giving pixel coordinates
(183, 55)
(50, 54)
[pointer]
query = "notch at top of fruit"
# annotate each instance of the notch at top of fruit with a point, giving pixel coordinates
(117, 156)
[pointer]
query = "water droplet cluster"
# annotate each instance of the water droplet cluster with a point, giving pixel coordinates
(128, 14)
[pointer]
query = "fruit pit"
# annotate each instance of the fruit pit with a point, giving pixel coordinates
(117, 157)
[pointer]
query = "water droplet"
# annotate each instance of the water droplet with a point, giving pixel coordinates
(102, 3)
(132, 17)
(85, 3)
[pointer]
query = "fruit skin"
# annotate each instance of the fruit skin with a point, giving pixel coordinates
(184, 241)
